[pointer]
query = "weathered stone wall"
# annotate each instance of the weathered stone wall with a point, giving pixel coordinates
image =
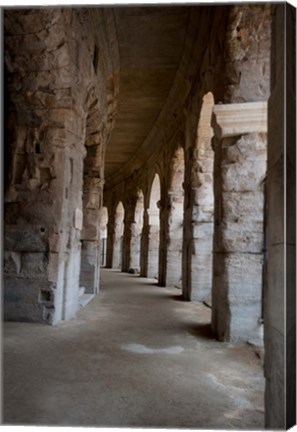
(239, 177)
(118, 236)
(53, 84)
(153, 229)
(175, 220)
(247, 53)
(198, 235)
(136, 232)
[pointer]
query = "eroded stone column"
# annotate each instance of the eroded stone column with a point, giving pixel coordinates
(110, 238)
(118, 236)
(136, 233)
(240, 170)
(90, 236)
(127, 236)
(173, 213)
(144, 244)
(175, 240)
(153, 244)
(202, 205)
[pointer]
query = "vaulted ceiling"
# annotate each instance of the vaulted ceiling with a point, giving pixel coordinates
(151, 41)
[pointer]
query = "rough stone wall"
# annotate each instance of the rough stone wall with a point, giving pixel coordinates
(201, 208)
(247, 53)
(153, 229)
(50, 74)
(238, 232)
(136, 232)
(240, 169)
(175, 220)
(118, 236)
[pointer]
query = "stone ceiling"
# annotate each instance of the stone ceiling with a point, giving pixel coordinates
(151, 43)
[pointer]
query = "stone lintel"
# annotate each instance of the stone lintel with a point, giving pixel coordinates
(239, 119)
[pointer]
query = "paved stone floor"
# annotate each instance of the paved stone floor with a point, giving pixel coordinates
(135, 356)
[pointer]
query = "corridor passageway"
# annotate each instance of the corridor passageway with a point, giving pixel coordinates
(136, 355)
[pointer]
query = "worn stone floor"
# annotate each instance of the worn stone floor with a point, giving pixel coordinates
(135, 356)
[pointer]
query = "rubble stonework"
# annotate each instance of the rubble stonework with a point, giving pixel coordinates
(54, 103)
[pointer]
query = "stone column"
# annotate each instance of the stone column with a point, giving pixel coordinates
(198, 224)
(187, 229)
(135, 250)
(153, 244)
(202, 205)
(127, 236)
(110, 238)
(117, 252)
(144, 244)
(117, 255)
(90, 236)
(136, 234)
(164, 207)
(240, 169)
(175, 239)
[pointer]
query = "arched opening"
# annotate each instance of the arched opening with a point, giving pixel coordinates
(154, 229)
(197, 262)
(175, 220)
(136, 234)
(103, 235)
(118, 236)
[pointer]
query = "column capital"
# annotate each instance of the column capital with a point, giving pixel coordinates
(238, 119)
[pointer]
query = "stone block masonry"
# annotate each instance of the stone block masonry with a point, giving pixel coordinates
(54, 103)
(239, 176)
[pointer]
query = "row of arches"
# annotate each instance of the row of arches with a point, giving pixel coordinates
(190, 226)
(161, 240)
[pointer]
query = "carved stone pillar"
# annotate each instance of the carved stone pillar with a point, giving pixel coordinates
(239, 174)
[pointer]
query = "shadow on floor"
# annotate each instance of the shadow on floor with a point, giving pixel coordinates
(178, 297)
(201, 330)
